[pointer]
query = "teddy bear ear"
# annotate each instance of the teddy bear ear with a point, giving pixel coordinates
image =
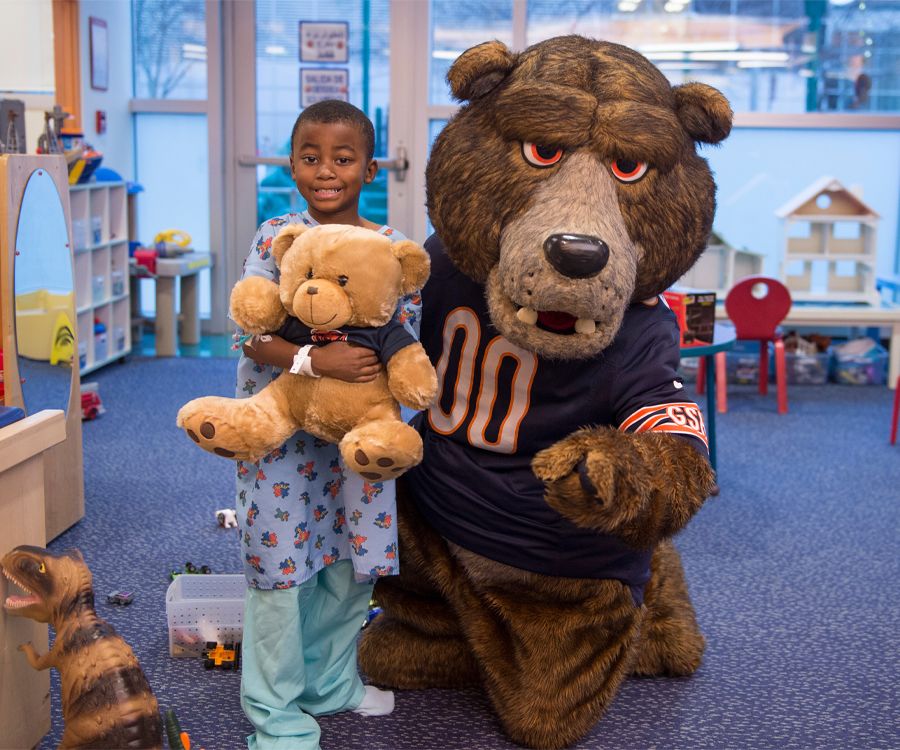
(284, 239)
(479, 70)
(704, 112)
(415, 264)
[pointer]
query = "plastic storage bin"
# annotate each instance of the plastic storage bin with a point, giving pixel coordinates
(201, 608)
(742, 363)
(98, 289)
(807, 369)
(79, 234)
(101, 347)
(864, 369)
(117, 280)
(97, 229)
(118, 338)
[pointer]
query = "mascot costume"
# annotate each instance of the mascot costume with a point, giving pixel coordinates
(562, 453)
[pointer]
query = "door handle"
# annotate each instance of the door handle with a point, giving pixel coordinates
(399, 164)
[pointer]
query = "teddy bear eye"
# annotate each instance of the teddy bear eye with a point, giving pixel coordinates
(342, 280)
(309, 274)
(539, 155)
(628, 170)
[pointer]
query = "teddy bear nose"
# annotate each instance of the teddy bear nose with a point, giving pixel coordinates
(312, 290)
(577, 256)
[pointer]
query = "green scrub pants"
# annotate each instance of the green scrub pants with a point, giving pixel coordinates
(299, 656)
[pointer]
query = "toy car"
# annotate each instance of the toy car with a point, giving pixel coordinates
(120, 597)
(222, 655)
(90, 405)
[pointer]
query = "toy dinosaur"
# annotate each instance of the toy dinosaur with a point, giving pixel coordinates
(106, 699)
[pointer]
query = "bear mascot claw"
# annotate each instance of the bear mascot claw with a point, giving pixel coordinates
(562, 453)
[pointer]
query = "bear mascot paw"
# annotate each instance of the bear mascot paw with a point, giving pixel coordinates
(336, 282)
(562, 452)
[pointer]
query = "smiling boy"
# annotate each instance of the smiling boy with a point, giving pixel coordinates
(309, 578)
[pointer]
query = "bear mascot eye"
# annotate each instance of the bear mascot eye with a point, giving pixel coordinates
(539, 155)
(628, 170)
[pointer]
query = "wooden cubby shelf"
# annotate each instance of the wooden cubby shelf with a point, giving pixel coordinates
(100, 244)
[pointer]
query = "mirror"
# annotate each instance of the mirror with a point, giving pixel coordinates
(44, 297)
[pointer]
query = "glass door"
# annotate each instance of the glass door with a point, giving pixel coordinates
(287, 55)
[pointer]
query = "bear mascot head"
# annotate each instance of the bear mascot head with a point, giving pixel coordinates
(561, 453)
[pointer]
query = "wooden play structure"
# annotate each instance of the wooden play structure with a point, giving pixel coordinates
(829, 252)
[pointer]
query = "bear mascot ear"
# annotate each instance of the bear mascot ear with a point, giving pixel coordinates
(704, 112)
(415, 264)
(479, 70)
(284, 239)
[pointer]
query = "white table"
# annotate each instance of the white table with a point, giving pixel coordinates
(849, 316)
(185, 267)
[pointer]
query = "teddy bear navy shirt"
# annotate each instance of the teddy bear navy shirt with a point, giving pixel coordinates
(499, 404)
(298, 509)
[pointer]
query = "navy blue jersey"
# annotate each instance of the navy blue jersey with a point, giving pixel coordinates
(385, 340)
(499, 404)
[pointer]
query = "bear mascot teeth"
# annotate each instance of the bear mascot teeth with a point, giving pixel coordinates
(561, 453)
(339, 283)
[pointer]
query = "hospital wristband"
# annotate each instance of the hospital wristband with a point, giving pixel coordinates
(302, 364)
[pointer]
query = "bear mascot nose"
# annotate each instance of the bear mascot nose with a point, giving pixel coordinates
(577, 256)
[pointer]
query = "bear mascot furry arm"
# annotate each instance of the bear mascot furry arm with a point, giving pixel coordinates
(561, 452)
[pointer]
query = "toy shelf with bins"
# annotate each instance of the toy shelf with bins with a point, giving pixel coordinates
(100, 247)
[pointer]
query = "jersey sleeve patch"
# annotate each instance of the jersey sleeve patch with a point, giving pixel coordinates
(683, 418)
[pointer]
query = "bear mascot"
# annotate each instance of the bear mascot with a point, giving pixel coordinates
(561, 453)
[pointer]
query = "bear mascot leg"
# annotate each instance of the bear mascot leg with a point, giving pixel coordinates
(562, 454)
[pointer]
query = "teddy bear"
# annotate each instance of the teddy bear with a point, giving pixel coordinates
(561, 454)
(337, 282)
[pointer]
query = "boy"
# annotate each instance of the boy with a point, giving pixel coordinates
(308, 533)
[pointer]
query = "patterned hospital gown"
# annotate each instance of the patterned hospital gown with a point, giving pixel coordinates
(298, 508)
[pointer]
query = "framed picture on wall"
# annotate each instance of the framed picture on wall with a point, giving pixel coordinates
(99, 39)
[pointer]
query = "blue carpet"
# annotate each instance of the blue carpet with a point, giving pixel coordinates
(792, 571)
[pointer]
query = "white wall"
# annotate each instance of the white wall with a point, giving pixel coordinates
(116, 144)
(26, 61)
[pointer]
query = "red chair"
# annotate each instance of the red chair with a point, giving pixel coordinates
(896, 413)
(756, 305)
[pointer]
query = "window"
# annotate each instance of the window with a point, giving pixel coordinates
(169, 49)
(171, 137)
(278, 70)
(785, 56)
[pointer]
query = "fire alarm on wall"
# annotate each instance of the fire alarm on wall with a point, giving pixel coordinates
(101, 122)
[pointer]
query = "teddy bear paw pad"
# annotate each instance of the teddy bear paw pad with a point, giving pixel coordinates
(387, 467)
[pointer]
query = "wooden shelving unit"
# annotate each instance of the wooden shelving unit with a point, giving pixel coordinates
(100, 244)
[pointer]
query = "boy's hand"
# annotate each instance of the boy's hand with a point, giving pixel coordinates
(352, 364)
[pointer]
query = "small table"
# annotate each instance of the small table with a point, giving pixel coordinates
(724, 337)
(186, 267)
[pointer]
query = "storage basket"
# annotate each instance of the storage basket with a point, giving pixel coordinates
(201, 608)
